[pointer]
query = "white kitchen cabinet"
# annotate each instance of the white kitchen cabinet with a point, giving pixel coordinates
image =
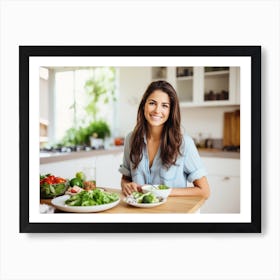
(208, 86)
(224, 180)
(202, 86)
(107, 174)
(225, 195)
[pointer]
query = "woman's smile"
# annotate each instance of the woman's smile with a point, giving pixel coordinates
(155, 117)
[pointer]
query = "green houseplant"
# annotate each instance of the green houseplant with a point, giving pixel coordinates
(99, 129)
(75, 136)
(82, 135)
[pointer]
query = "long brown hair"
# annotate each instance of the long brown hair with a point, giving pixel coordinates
(171, 138)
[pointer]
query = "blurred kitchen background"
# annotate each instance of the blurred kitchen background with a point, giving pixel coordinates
(85, 114)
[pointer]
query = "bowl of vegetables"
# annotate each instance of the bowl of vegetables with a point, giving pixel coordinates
(158, 190)
(52, 186)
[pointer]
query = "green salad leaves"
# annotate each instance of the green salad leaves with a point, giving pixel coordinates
(92, 198)
(163, 187)
(145, 197)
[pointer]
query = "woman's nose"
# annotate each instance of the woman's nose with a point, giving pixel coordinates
(157, 109)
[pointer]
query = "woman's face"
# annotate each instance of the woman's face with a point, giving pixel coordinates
(157, 108)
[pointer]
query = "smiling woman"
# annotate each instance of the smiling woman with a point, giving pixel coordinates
(157, 152)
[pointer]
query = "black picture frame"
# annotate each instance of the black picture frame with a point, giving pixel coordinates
(253, 52)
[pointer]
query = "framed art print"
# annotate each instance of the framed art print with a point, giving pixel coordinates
(79, 103)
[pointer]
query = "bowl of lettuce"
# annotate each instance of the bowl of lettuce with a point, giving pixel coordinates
(52, 186)
(158, 190)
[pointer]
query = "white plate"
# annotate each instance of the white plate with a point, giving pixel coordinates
(133, 202)
(59, 203)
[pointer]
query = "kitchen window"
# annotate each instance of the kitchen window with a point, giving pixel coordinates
(68, 99)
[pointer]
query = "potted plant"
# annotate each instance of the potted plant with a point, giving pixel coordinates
(75, 136)
(98, 131)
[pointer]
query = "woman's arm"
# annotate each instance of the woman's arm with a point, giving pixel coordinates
(200, 188)
(128, 187)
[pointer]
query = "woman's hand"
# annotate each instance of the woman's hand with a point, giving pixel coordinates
(129, 188)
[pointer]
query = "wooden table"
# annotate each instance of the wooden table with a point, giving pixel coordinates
(178, 204)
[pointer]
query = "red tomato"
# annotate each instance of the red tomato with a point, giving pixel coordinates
(51, 179)
(45, 180)
(59, 180)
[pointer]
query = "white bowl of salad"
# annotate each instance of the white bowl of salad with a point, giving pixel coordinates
(158, 190)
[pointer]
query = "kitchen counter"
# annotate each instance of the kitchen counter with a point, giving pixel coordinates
(49, 157)
(180, 204)
(204, 152)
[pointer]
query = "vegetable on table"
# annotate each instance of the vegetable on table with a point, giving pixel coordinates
(81, 175)
(162, 187)
(145, 198)
(51, 179)
(52, 186)
(92, 198)
(76, 182)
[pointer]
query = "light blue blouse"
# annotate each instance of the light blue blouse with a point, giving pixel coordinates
(189, 166)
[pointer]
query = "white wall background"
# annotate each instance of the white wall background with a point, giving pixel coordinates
(130, 95)
(123, 256)
(208, 121)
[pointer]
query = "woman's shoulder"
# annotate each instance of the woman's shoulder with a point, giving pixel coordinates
(187, 143)
(187, 138)
(128, 137)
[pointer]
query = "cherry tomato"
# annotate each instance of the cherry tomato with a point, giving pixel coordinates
(59, 180)
(51, 179)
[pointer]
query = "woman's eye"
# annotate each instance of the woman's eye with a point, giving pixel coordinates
(151, 103)
(165, 106)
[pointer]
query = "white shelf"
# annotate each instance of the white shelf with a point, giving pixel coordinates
(186, 78)
(194, 88)
(216, 73)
